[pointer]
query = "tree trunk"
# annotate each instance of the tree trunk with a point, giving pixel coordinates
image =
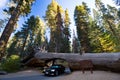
(9, 29)
(104, 61)
(24, 43)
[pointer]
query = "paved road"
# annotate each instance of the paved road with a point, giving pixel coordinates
(26, 75)
(31, 77)
(77, 75)
(34, 77)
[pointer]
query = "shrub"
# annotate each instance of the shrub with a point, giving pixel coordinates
(11, 64)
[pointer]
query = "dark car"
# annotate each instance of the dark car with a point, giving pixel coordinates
(54, 70)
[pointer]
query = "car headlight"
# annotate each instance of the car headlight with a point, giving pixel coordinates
(44, 70)
(52, 70)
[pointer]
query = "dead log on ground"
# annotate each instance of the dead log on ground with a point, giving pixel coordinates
(100, 60)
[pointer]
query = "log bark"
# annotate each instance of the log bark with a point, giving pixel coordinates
(106, 61)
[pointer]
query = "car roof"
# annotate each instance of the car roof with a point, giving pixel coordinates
(57, 65)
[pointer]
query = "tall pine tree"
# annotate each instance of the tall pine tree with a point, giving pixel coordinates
(23, 7)
(81, 17)
(66, 32)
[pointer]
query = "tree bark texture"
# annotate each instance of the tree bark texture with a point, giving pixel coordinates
(9, 29)
(100, 60)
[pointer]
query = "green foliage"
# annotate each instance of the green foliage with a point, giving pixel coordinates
(67, 19)
(23, 7)
(51, 13)
(59, 31)
(107, 43)
(31, 34)
(95, 33)
(102, 34)
(11, 64)
(76, 45)
(59, 34)
(39, 32)
(81, 17)
(66, 32)
(13, 48)
(109, 21)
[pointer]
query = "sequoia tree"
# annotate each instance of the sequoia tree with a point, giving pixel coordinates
(50, 19)
(66, 32)
(23, 7)
(81, 17)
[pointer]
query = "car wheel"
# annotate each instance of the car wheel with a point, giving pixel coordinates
(56, 73)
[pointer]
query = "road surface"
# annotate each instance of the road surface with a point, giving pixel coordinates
(76, 75)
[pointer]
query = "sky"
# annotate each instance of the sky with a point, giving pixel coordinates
(2, 3)
(40, 6)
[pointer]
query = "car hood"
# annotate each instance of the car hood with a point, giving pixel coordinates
(50, 69)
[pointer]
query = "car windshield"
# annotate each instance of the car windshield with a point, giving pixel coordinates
(54, 67)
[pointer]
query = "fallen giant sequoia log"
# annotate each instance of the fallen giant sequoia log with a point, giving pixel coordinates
(110, 61)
